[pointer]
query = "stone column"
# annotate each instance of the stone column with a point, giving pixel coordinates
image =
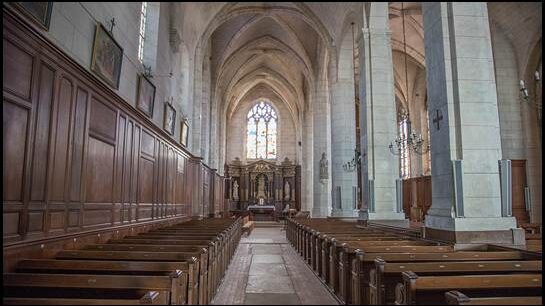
(343, 130)
(321, 203)
(378, 118)
(464, 125)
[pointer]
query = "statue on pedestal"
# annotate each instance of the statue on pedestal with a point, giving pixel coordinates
(287, 191)
(261, 187)
(235, 191)
(324, 175)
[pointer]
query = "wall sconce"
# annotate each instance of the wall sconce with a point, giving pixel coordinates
(523, 89)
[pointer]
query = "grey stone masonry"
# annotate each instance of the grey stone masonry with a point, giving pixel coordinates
(462, 90)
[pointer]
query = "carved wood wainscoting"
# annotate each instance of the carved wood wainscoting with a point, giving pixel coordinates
(416, 197)
(79, 160)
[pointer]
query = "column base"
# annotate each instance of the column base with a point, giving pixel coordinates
(344, 213)
(470, 231)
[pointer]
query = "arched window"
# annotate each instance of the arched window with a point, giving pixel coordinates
(404, 154)
(261, 142)
(142, 32)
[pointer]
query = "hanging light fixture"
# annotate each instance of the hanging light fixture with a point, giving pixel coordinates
(411, 140)
(353, 164)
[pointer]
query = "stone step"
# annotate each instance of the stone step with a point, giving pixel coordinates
(268, 224)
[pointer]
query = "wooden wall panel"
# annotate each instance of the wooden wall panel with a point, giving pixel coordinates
(81, 158)
(15, 133)
(518, 182)
(61, 142)
(100, 172)
(77, 144)
(17, 69)
(417, 197)
(41, 132)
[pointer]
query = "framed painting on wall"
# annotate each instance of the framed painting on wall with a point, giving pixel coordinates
(39, 12)
(184, 133)
(146, 96)
(170, 118)
(107, 57)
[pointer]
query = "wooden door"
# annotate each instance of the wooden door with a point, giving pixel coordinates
(518, 182)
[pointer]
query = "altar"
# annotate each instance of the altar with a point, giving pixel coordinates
(263, 188)
(262, 212)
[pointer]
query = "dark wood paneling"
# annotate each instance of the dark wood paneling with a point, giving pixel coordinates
(417, 197)
(62, 130)
(41, 138)
(518, 182)
(17, 70)
(14, 150)
(80, 157)
(77, 144)
(100, 171)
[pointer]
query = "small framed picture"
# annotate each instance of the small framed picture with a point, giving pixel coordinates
(184, 132)
(146, 96)
(39, 12)
(107, 57)
(169, 119)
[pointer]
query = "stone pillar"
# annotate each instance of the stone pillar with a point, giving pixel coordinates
(378, 118)
(464, 125)
(320, 129)
(343, 129)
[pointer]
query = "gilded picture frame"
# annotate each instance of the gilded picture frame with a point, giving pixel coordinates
(169, 120)
(184, 133)
(38, 12)
(107, 56)
(146, 96)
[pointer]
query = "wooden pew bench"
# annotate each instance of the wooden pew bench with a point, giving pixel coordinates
(342, 263)
(364, 262)
(55, 289)
(431, 289)
(386, 275)
(457, 298)
(196, 276)
(179, 288)
(214, 260)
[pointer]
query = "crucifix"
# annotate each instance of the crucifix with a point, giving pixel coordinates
(438, 118)
(112, 25)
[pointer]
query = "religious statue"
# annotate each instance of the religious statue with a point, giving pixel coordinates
(235, 191)
(261, 187)
(323, 168)
(287, 191)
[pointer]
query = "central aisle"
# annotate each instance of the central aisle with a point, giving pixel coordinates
(266, 270)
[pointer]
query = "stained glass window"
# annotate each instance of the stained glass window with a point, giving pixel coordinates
(142, 36)
(404, 156)
(261, 140)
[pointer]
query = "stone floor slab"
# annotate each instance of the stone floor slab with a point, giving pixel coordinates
(267, 259)
(268, 269)
(266, 249)
(261, 284)
(271, 299)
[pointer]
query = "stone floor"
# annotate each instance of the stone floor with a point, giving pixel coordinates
(267, 271)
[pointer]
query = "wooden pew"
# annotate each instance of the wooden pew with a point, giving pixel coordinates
(149, 298)
(196, 277)
(190, 247)
(215, 257)
(33, 288)
(386, 275)
(364, 262)
(166, 248)
(431, 289)
(343, 285)
(324, 247)
(173, 270)
(457, 298)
